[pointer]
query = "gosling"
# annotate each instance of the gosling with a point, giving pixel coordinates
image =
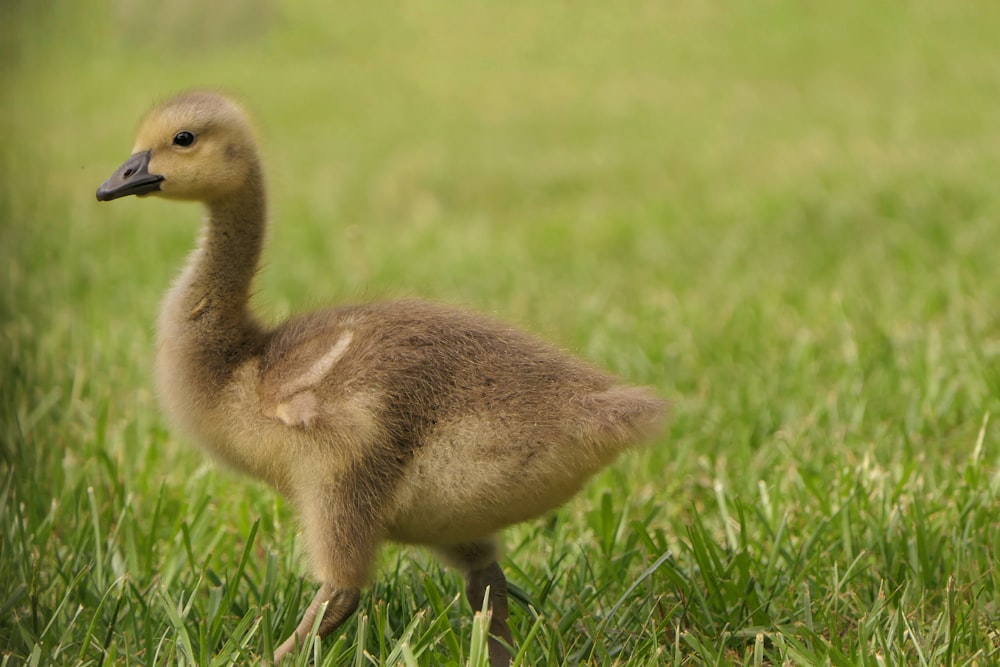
(399, 420)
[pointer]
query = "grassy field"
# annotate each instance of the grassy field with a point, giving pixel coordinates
(783, 215)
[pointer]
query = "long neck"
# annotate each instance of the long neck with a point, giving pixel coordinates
(207, 310)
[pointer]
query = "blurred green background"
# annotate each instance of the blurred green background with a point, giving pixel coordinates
(783, 215)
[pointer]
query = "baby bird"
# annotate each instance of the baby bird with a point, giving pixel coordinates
(399, 420)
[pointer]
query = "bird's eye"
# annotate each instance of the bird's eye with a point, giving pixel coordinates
(183, 139)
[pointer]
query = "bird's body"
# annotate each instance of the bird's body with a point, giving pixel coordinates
(400, 420)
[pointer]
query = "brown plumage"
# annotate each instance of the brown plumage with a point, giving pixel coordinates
(399, 420)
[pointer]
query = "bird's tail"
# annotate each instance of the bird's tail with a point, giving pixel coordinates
(621, 416)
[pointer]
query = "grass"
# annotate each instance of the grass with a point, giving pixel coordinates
(782, 215)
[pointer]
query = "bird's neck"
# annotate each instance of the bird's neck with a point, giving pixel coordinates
(207, 313)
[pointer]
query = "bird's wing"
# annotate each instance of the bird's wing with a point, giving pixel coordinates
(299, 362)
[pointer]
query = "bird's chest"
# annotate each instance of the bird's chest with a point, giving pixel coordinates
(223, 416)
(187, 395)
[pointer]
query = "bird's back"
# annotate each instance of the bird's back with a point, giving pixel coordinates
(428, 363)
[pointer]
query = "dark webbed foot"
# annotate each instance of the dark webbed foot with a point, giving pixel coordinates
(340, 604)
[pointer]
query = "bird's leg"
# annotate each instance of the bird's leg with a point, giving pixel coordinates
(341, 536)
(478, 581)
(340, 604)
(478, 560)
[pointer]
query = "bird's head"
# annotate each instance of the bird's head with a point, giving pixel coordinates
(196, 146)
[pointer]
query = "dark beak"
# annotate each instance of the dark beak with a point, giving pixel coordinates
(132, 178)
